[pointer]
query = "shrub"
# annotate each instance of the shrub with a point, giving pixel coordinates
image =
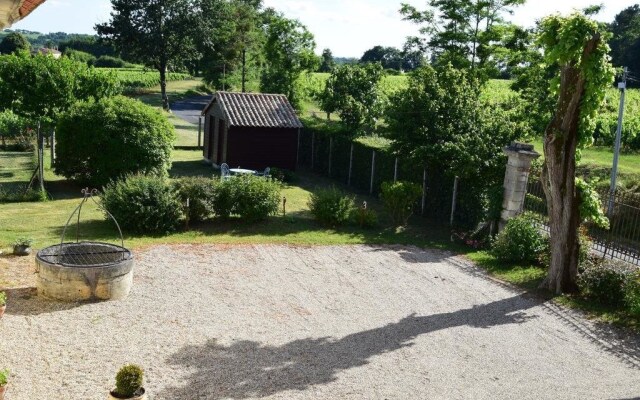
(364, 217)
(632, 293)
(81, 56)
(399, 198)
(4, 377)
(250, 197)
(331, 206)
(110, 62)
(108, 139)
(604, 281)
(3, 299)
(283, 175)
(519, 241)
(23, 241)
(143, 204)
(129, 381)
(21, 196)
(201, 193)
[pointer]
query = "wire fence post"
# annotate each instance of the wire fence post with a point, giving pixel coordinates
(313, 147)
(199, 131)
(373, 170)
(53, 147)
(395, 171)
(454, 200)
(350, 165)
(40, 157)
(424, 190)
(330, 153)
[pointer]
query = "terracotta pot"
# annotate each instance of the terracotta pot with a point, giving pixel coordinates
(112, 396)
(3, 389)
(2, 309)
(21, 250)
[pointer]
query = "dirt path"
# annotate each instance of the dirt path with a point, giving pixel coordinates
(278, 322)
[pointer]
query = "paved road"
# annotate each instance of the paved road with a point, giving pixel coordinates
(339, 322)
(190, 109)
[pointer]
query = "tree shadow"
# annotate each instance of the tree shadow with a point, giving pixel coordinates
(26, 302)
(191, 168)
(250, 369)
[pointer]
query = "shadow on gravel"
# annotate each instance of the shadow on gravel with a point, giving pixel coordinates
(27, 303)
(250, 369)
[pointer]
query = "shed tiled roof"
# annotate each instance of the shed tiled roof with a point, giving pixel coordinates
(256, 110)
(11, 11)
(28, 6)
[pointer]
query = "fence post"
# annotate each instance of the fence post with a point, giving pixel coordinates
(515, 180)
(424, 189)
(40, 157)
(454, 201)
(373, 170)
(395, 172)
(330, 153)
(199, 131)
(53, 147)
(313, 147)
(350, 165)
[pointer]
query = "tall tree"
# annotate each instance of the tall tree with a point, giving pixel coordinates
(389, 57)
(577, 47)
(460, 31)
(14, 42)
(289, 51)
(157, 33)
(353, 91)
(328, 63)
(625, 43)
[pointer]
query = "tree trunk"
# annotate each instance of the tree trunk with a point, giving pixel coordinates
(558, 178)
(163, 87)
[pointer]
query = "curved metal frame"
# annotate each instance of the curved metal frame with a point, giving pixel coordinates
(89, 194)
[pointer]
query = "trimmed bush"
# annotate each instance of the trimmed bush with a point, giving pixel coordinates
(201, 194)
(129, 381)
(399, 198)
(365, 217)
(251, 198)
(331, 206)
(519, 241)
(143, 204)
(632, 293)
(604, 281)
(105, 140)
(110, 62)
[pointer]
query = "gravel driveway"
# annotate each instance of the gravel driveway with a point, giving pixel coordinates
(278, 322)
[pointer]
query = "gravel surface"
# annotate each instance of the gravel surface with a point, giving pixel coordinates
(351, 322)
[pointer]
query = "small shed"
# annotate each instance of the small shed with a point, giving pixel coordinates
(251, 130)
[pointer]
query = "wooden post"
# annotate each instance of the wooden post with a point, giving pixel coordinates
(424, 190)
(455, 198)
(199, 131)
(395, 172)
(373, 170)
(313, 148)
(40, 157)
(298, 151)
(53, 147)
(350, 165)
(330, 153)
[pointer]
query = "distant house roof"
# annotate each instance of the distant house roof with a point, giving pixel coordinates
(11, 11)
(43, 50)
(256, 110)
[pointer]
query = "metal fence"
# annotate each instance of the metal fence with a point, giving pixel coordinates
(621, 241)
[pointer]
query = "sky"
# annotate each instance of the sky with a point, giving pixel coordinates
(347, 27)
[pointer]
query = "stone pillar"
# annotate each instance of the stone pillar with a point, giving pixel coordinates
(516, 178)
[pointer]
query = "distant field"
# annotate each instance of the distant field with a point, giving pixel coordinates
(136, 79)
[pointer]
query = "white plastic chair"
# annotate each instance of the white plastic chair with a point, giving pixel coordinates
(224, 171)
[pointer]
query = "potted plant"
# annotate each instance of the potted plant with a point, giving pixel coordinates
(3, 303)
(4, 379)
(129, 382)
(22, 246)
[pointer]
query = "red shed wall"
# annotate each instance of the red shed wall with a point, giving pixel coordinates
(258, 148)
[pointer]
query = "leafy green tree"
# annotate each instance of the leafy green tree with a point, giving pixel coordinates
(625, 42)
(577, 46)
(389, 57)
(461, 32)
(438, 122)
(40, 88)
(353, 91)
(104, 140)
(157, 33)
(328, 63)
(14, 42)
(289, 51)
